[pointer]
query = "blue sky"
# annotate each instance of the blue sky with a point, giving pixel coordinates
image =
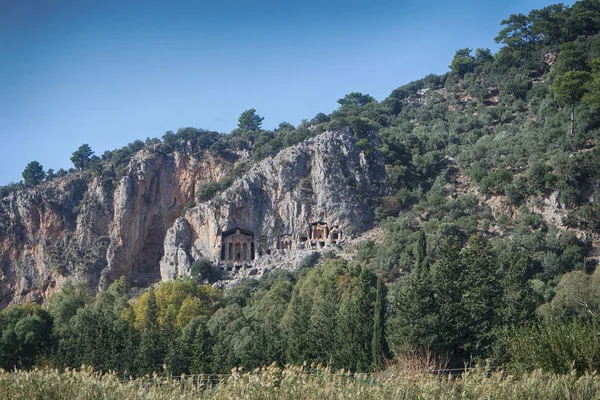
(109, 72)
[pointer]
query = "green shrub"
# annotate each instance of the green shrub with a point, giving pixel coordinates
(206, 191)
(556, 348)
(204, 271)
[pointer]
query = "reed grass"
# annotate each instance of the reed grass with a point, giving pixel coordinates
(298, 382)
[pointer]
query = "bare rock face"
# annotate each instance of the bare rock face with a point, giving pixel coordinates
(93, 229)
(176, 261)
(38, 230)
(308, 198)
(550, 208)
(276, 205)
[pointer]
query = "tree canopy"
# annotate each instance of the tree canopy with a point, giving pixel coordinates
(354, 100)
(250, 120)
(33, 174)
(81, 157)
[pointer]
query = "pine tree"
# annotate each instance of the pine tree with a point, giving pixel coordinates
(569, 89)
(33, 174)
(448, 288)
(250, 120)
(481, 296)
(81, 157)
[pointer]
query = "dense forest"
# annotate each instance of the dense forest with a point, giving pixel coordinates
(450, 277)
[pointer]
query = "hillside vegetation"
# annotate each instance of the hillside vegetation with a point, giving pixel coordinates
(489, 248)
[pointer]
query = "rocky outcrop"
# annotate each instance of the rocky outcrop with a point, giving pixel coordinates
(326, 179)
(550, 208)
(98, 229)
(37, 227)
(94, 229)
(176, 261)
(147, 202)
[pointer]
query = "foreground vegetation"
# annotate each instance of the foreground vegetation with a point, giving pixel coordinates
(299, 383)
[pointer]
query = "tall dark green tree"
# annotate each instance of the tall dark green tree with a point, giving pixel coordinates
(225, 326)
(481, 296)
(518, 301)
(250, 120)
(365, 306)
(572, 57)
(379, 345)
(355, 100)
(198, 343)
(33, 174)
(175, 360)
(296, 322)
(448, 288)
(412, 327)
(549, 23)
(94, 334)
(517, 304)
(81, 157)
(463, 62)
(355, 325)
(569, 89)
(268, 314)
(151, 351)
(583, 19)
(323, 317)
(517, 31)
(421, 253)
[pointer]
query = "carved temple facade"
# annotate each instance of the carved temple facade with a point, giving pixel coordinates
(240, 246)
(237, 246)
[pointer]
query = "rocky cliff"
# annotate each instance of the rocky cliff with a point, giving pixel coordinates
(94, 229)
(326, 180)
(97, 229)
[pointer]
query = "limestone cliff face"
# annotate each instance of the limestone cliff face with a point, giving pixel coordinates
(326, 179)
(95, 230)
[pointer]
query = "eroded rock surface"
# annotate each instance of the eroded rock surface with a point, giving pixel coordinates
(93, 229)
(97, 230)
(326, 179)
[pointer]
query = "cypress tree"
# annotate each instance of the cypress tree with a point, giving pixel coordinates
(355, 326)
(323, 317)
(150, 352)
(365, 301)
(413, 325)
(378, 345)
(174, 357)
(201, 350)
(296, 322)
(421, 253)
(518, 301)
